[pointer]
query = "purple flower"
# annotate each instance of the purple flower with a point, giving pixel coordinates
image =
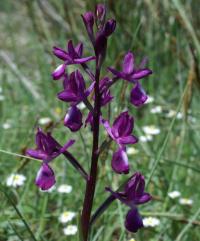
(73, 119)
(120, 161)
(47, 149)
(101, 39)
(100, 14)
(121, 130)
(106, 97)
(71, 56)
(129, 72)
(132, 196)
(88, 19)
(74, 89)
(45, 178)
(132, 74)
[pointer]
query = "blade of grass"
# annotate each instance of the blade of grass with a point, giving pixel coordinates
(18, 212)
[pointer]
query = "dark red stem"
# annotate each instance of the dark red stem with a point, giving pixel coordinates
(91, 183)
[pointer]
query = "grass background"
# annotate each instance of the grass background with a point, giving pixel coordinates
(165, 31)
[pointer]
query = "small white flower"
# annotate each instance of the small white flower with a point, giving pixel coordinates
(185, 201)
(44, 121)
(146, 138)
(66, 216)
(81, 106)
(151, 130)
(15, 180)
(179, 116)
(149, 100)
(64, 188)
(172, 113)
(2, 97)
(156, 109)
(132, 151)
(151, 222)
(174, 194)
(6, 125)
(70, 230)
(192, 119)
(132, 239)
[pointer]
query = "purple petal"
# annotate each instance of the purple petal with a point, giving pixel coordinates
(71, 50)
(128, 64)
(109, 27)
(45, 177)
(127, 140)
(59, 72)
(133, 221)
(120, 161)
(83, 60)
(88, 19)
(37, 154)
(117, 195)
(89, 89)
(79, 49)
(67, 145)
(146, 197)
(67, 96)
(138, 95)
(116, 73)
(73, 119)
(108, 128)
(141, 74)
(60, 53)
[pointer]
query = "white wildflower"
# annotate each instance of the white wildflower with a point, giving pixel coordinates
(66, 216)
(64, 188)
(151, 130)
(132, 151)
(149, 100)
(6, 125)
(146, 138)
(151, 222)
(15, 180)
(70, 230)
(81, 106)
(185, 201)
(174, 194)
(44, 121)
(156, 109)
(132, 239)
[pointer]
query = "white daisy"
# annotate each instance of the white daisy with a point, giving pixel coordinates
(44, 120)
(151, 222)
(81, 106)
(151, 130)
(185, 201)
(66, 216)
(132, 239)
(149, 100)
(156, 109)
(64, 188)
(6, 125)
(174, 194)
(132, 151)
(15, 180)
(70, 230)
(146, 138)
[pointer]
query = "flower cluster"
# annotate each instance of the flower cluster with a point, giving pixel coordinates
(95, 94)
